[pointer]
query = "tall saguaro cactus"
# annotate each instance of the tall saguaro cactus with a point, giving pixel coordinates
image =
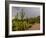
(22, 14)
(16, 17)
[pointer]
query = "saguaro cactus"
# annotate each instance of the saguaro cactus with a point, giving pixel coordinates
(22, 14)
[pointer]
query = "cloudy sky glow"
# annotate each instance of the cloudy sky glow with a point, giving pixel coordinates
(29, 11)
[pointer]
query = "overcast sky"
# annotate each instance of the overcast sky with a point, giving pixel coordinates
(29, 11)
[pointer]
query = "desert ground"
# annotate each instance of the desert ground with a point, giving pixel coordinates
(35, 27)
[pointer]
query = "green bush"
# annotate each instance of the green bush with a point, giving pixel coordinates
(19, 25)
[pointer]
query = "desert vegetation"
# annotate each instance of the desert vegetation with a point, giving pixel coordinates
(23, 24)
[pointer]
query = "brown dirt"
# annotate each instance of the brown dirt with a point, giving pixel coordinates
(35, 27)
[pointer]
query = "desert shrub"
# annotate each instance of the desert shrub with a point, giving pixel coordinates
(37, 19)
(32, 21)
(19, 25)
